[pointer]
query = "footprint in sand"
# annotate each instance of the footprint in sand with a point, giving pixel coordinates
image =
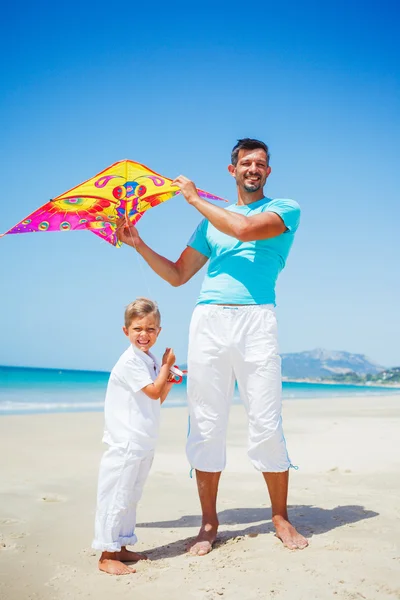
(10, 522)
(88, 552)
(18, 535)
(8, 546)
(52, 498)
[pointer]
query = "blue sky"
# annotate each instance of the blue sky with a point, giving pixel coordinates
(173, 87)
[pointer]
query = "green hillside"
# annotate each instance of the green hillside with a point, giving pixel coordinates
(388, 376)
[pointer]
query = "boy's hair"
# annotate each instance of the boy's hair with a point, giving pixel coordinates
(139, 308)
(248, 144)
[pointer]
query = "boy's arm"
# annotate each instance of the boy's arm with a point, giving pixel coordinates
(159, 389)
(166, 391)
(156, 389)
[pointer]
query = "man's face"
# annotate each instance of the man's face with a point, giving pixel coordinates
(252, 170)
(143, 332)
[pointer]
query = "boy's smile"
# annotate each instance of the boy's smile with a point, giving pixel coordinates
(143, 332)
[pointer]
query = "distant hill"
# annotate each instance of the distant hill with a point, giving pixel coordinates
(387, 377)
(333, 364)
(321, 364)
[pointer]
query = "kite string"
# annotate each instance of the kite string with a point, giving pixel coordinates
(140, 263)
(133, 241)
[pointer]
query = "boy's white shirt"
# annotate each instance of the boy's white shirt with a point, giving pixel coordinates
(131, 417)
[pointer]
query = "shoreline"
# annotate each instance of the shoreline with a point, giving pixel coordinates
(63, 408)
(344, 383)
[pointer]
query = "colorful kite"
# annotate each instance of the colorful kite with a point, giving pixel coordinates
(126, 189)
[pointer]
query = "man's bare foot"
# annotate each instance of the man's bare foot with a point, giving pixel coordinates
(204, 542)
(288, 535)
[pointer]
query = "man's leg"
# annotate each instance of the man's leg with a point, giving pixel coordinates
(258, 370)
(207, 485)
(210, 390)
(278, 491)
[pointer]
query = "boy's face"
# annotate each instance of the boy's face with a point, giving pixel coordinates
(143, 332)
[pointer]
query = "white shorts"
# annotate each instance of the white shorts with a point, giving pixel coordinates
(228, 343)
(122, 476)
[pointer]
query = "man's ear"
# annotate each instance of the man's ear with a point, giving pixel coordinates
(159, 331)
(126, 332)
(232, 170)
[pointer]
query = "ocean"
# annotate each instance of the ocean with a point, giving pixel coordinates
(30, 390)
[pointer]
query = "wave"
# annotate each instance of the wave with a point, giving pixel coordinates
(11, 406)
(78, 398)
(18, 407)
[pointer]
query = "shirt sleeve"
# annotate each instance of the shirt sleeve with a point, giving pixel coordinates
(288, 210)
(136, 375)
(199, 241)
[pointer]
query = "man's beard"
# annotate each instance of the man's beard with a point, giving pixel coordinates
(254, 187)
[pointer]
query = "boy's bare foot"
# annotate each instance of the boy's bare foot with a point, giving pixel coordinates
(125, 555)
(113, 562)
(204, 542)
(114, 566)
(288, 535)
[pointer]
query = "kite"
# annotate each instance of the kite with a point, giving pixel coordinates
(125, 189)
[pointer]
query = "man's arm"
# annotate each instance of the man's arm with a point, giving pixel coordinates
(176, 273)
(246, 229)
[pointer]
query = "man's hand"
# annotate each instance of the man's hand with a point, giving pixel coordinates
(168, 358)
(127, 233)
(187, 188)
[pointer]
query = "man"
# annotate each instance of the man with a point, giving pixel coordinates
(233, 333)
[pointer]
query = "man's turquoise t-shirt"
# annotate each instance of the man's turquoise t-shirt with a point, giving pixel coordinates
(245, 272)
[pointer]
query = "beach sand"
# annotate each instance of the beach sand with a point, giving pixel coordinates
(344, 498)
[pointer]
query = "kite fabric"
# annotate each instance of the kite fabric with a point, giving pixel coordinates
(125, 189)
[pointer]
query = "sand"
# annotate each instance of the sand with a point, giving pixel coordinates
(344, 498)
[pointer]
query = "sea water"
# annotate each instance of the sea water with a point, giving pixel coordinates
(28, 390)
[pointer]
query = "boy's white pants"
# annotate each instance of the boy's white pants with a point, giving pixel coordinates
(122, 476)
(228, 343)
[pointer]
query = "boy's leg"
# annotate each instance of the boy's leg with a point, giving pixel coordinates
(210, 390)
(129, 524)
(258, 371)
(120, 472)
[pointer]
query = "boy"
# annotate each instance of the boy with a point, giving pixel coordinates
(136, 389)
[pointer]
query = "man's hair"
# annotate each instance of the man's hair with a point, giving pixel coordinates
(248, 144)
(139, 308)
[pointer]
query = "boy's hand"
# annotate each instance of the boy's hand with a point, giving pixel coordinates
(127, 233)
(169, 358)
